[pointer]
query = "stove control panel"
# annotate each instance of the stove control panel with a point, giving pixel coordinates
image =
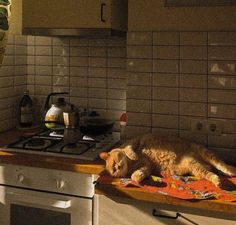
(50, 180)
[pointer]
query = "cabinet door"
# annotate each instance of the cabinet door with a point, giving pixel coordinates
(124, 211)
(66, 14)
(118, 211)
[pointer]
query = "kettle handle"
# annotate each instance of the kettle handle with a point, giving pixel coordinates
(46, 105)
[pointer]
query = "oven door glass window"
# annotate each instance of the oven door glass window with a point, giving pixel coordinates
(25, 215)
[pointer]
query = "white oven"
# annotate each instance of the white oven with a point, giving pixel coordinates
(35, 196)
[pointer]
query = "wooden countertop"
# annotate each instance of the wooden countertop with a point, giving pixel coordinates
(97, 167)
(140, 194)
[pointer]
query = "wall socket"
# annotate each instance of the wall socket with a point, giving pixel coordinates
(199, 126)
(215, 127)
(204, 126)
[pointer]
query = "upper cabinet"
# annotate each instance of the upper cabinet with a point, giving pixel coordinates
(74, 17)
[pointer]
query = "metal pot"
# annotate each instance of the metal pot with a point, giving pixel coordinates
(96, 125)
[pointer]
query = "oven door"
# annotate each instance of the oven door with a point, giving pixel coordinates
(27, 207)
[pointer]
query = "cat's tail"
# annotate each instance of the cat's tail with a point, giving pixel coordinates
(212, 159)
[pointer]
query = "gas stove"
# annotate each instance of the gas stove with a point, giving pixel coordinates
(51, 143)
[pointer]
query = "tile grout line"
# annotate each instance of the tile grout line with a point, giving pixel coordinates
(179, 74)
(152, 77)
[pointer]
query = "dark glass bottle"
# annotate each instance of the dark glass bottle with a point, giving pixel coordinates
(26, 110)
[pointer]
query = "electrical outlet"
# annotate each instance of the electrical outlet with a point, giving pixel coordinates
(214, 127)
(199, 126)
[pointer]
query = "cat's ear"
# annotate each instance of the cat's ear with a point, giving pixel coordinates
(104, 155)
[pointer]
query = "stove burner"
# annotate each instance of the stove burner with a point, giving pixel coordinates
(35, 142)
(39, 143)
(76, 148)
(86, 148)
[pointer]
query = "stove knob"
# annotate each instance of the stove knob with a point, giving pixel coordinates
(60, 184)
(21, 178)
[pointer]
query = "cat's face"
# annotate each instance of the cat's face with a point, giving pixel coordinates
(116, 162)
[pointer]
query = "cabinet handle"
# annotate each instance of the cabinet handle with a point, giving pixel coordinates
(102, 12)
(154, 213)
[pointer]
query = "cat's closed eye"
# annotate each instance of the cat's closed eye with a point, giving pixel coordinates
(116, 167)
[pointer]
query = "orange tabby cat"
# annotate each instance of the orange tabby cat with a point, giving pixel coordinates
(152, 154)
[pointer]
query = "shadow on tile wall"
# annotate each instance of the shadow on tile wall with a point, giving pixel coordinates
(92, 70)
(13, 77)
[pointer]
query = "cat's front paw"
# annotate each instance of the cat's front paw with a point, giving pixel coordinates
(130, 153)
(216, 180)
(138, 176)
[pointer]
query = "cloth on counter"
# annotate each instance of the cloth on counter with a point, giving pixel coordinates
(183, 187)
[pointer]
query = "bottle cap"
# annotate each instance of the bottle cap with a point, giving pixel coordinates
(123, 119)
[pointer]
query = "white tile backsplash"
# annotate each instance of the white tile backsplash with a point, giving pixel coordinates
(191, 76)
(139, 105)
(143, 52)
(78, 61)
(193, 52)
(165, 121)
(193, 38)
(222, 38)
(139, 65)
(193, 95)
(92, 70)
(222, 53)
(193, 66)
(43, 50)
(165, 107)
(165, 93)
(165, 52)
(98, 72)
(77, 51)
(43, 40)
(13, 79)
(139, 38)
(221, 82)
(193, 80)
(164, 80)
(222, 67)
(222, 96)
(165, 66)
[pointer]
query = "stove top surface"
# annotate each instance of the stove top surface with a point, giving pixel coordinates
(51, 143)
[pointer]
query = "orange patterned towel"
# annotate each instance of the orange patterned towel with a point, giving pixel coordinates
(183, 187)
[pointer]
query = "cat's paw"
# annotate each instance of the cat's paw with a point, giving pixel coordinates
(138, 176)
(130, 153)
(133, 155)
(215, 180)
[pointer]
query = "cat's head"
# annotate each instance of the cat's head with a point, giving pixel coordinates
(116, 162)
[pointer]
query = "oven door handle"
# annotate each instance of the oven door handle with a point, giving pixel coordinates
(41, 201)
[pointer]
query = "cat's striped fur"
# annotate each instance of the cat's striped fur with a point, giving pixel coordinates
(153, 154)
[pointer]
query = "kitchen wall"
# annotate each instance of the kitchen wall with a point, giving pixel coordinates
(177, 68)
(177, 79)
(13, 70)
(181, 67)
(92, 70)
(12, 79)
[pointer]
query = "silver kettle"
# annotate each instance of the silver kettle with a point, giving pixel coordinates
(53, 116)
